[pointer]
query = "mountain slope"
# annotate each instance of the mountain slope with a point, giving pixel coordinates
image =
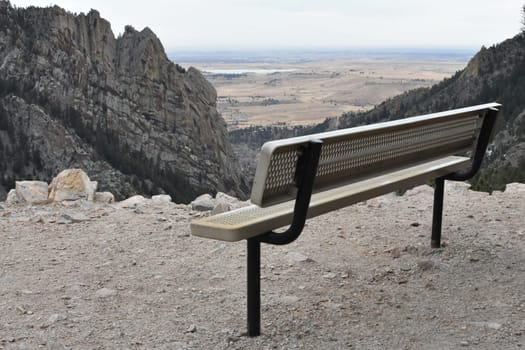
(73, 95)
(493, 74)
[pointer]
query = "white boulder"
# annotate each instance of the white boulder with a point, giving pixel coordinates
(71, 185)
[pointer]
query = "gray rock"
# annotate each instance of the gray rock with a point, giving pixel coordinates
(395, 253)
(289, 299)
(329, 275)
(132, 202)
(104, 197)
(494, 325)
(220, 208)
(225, 198)
(296, 257)
(203, 203)
(425, 265)
(161, 198)
(12, 198)
(191, 329)
(75, 217)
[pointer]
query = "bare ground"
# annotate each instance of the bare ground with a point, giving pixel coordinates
(313, 91)
(361, 278)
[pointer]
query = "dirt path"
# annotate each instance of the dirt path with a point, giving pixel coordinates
(361, 278)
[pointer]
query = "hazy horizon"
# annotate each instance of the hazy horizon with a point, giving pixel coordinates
(236, 25)
(274, 55)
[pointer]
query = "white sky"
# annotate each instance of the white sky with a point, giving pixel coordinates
(263, 24)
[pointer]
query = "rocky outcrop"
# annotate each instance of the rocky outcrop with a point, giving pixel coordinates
(73, 95)
(68, 185)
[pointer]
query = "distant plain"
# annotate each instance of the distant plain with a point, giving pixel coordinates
(264, 91)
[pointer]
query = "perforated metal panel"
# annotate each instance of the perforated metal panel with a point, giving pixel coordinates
(364, 151)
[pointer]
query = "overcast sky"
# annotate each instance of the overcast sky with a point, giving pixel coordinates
(262, 24)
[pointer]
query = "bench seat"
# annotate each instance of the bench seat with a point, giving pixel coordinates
(253, 220)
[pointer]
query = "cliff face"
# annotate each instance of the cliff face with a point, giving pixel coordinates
(73, 95)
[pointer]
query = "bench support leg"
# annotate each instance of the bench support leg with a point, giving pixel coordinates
(254, 287)
(437, 215)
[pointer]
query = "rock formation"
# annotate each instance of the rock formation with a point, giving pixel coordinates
(73, 95)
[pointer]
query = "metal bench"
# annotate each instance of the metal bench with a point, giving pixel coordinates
(302, 177)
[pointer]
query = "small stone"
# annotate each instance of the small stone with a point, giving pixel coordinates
(395, 253)
(139, 210)
(425, 265)
(494, 325)
(104, 197)
(464, 343)
(289, 299)
(473, 258)
(53, 319)
(225, 198)
(12, 198)
(191, 329)
(203, 203)
(105, 293)
(161, 198)
(220, 208)
(63, 221)
(296, 257)
(38, 219)
(75, 217)
(329, 275)
(132, 202)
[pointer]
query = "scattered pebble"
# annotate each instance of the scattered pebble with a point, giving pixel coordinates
(395, 253)
(425, 264)
(329, 275)
(494, 325)
(75, 217)
(296, 256)
(289, 299)
(191, 329)
(105, 293)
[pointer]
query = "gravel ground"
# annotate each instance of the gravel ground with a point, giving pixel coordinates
(95, 276)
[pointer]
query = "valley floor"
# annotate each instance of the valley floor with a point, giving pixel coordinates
(308, 92)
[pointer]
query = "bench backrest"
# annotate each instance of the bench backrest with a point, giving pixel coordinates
(352, 154)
